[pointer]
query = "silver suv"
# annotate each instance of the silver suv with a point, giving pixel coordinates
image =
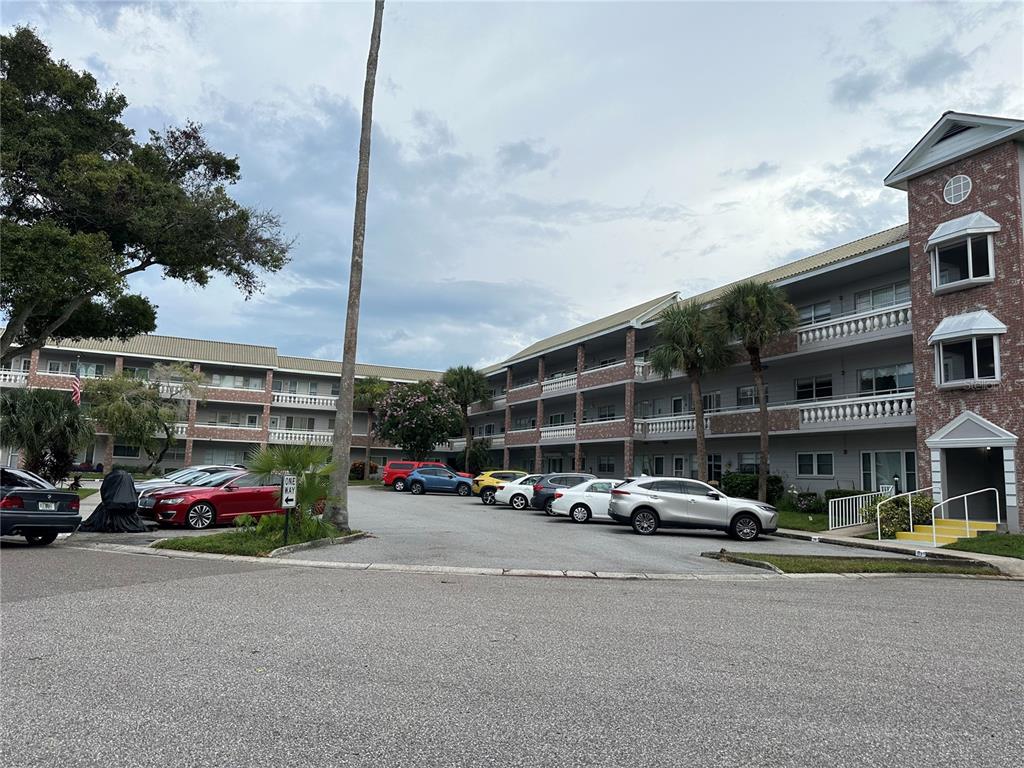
(648, 503)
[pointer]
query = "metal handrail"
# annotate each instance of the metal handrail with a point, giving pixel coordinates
(878, 510)
(967, 512)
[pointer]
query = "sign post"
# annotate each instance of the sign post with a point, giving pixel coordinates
(289, 484)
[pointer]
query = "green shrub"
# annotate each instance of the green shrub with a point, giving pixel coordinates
(357, 471)
(809, 503)
(245, 521)
(744, 486)
(895, 514)
(839, 493)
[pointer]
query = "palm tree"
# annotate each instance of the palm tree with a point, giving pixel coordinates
(756, 314)
(46, 427)
(367, 395)
(467, 386)
(337, 504)
(694, 341)
(311, 465)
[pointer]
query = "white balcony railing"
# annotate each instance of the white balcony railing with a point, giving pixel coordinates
(558, 432)
(13, 378)
(854, 325)
(180, 429)
(669, 425)
(858, 409)
(300, 437)
(305, 401)
(565, 383)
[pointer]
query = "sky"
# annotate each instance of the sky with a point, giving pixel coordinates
(535, 165)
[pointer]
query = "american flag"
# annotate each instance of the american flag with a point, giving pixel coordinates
(76, 389)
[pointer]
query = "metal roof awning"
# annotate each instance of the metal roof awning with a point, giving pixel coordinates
(980, 323)
(972, 224)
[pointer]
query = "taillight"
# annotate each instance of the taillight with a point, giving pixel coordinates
(619, 493)
(500, 487)
(538, 488)
(558, 495)
(12, 502)
(75, 504)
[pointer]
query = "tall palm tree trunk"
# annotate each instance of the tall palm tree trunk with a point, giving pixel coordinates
(762, 465)
(337, 507)
(465, 427)
(369, 441)
(698, 425)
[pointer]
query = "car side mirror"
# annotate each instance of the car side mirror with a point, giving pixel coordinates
(451, 476)
(230, 487)
(714, 495)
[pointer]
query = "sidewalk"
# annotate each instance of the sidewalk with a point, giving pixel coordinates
(1010, 566)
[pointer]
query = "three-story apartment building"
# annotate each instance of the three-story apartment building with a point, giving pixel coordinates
(907, 367)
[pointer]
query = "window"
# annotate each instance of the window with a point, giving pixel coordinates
(880, 467)
(26, 364)
(815, 313)
(967, 360)
(814, 465)
(275, 422)
(957, 189)
(53, 367)
(602, 487)
(712, 401)
(715, 466)
(814, 388)
(881, 297)
(606, 464)
(887, 378)
(136, 373)
(252, 420)
(287, 386)
(964, 261)
(556, 419)
(330, 424)
(126, 451)
(680, 466)
(255, 382)
(747, 396)
(87, 370)
(488, 429)
(678, 405)
(659, 465)
(300, 423)
(313, 387)
(746, 463)
(335, 388)
(605, 412)
(696, 488)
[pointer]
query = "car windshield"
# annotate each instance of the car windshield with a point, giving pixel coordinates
(217, 479)
(20, 479)
(179, 474)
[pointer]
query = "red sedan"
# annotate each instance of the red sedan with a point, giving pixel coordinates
(228, 497)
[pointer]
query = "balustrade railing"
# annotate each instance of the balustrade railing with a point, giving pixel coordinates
(857, 409)
(560, 384)
(300, 437)
(854, 325)
(314, 401)
(558, 432)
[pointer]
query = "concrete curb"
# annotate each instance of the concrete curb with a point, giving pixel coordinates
(729, 557)
(1008, 566)
(315, 544)
(134, 549)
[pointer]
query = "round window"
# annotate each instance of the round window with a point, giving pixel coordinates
(957, 189)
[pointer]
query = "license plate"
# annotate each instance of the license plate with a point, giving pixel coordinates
(48, 506)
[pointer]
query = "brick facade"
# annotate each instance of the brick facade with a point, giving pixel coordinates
(995, 176)
(748, 422)
(601, 430)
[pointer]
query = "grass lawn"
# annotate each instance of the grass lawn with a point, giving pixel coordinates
(826, 564)
(84, 493)
(1005, 544)
(801, 521)
(252, 540)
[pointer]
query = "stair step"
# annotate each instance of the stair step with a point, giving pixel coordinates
(926, 538)
(981, 525)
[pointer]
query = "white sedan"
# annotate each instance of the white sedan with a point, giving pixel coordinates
(586, 500)
(517, 493)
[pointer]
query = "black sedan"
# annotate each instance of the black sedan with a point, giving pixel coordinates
(544, 490)
(35, 509)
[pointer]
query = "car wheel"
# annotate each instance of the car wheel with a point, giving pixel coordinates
(200, 516)
(518, 501)
(645, 522)
(41, 539)
(399, 484)
(745, 527)
(579, 513)
(547, 508)
(463, 490)
(416, 489)
(487, 496)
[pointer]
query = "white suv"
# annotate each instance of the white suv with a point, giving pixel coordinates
(649, 503)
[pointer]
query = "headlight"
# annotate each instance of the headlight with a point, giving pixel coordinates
(175, 500)
(766, 507)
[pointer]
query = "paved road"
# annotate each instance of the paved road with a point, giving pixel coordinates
(448, 530)
(117, 660)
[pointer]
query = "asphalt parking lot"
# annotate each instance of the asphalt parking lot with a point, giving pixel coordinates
(445, 529)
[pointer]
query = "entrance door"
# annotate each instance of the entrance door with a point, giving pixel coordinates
(972, 469)
(553, 463)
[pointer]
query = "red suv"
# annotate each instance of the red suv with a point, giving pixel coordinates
(395, 472)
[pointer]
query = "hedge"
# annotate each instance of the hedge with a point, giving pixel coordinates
(744, 486)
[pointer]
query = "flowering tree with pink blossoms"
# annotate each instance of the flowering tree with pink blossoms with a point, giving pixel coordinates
(417, 417)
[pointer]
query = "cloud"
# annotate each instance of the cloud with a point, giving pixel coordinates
(938, 66)
(857, 87)
(524, 157)
(762, 170)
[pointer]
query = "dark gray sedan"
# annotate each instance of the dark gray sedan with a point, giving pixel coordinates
(34, 508)
(544, 489)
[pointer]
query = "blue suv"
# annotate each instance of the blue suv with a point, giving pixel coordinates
(437, 479)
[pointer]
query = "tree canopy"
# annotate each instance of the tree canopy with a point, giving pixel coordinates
(416, 417)
(46, 427)
(84, 205)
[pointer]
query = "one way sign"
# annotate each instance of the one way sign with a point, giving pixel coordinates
(288, 486)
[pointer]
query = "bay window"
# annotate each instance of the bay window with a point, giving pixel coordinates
(968, 360)
(962, 263)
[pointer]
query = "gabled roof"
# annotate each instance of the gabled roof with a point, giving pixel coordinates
(178, 348)
(388, 372)
(622, 319)
(971, 430)
(955, 135)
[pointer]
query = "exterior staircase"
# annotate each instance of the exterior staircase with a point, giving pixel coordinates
(946, 531)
